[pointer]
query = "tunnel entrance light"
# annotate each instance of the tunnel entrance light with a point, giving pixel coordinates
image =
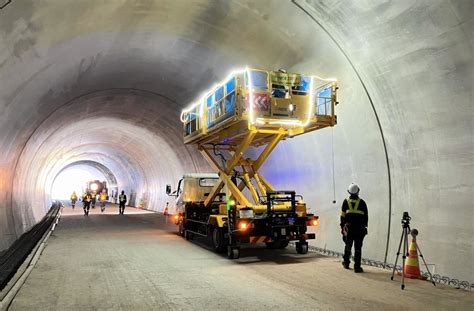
(74, 178)
(94, 187)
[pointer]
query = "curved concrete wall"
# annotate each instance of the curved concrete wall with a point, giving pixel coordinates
(105, 82)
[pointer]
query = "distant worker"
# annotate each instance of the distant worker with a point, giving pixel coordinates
(73, 199)
(84, 194)
(354, 221)
(122, 201)
(103, 200)
(93, 198)
(87, 203)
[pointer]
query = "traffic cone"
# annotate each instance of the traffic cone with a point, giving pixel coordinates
(412, 266)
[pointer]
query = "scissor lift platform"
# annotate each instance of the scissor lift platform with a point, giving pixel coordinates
(255, 108)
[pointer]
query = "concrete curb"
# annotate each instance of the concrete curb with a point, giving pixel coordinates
(15, 284)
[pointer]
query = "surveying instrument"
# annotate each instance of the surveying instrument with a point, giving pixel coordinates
(404, 238)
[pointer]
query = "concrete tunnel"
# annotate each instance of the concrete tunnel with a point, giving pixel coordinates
(102, 84)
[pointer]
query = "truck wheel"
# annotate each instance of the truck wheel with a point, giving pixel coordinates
(181, 229)
(218, 240)
(188, 235)
(302, 247)
(233, 252)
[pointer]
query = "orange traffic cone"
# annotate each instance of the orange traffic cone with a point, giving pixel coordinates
(412, 266)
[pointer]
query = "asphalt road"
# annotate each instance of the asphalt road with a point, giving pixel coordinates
(137, 262)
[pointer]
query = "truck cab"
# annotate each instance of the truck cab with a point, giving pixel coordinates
(191, 189)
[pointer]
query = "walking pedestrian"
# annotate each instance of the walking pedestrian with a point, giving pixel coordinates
(93, 198)
(87, 203)
(122, 201)
(73, 199)
(354, 221)
(103, 200)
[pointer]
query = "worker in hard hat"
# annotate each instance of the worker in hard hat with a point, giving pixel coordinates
(87, 203)
(354, 220)
(122, 201)
(73, 199)
(103, 200)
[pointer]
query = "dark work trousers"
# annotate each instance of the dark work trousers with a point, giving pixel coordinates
(121, 208)
(87, 206)
(354, 236)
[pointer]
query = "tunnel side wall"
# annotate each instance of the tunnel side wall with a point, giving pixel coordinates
(415, 60)
(408, 62)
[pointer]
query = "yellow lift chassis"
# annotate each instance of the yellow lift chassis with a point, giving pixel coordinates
(253, 108)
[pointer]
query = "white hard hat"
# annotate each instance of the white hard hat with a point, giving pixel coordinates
(353, 189)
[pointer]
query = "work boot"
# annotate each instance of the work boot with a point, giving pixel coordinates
(358, 270)
(345, 265)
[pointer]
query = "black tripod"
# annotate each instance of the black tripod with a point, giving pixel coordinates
(404, 238)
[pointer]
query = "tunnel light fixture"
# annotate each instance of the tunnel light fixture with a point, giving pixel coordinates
(251, 97)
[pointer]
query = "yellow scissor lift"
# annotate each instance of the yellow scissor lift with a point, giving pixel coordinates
(253, 108)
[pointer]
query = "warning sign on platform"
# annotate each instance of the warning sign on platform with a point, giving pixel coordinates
(261, 101)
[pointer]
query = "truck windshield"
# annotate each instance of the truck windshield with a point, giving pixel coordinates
(208, 182)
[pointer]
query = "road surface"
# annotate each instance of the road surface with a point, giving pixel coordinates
(137, 262)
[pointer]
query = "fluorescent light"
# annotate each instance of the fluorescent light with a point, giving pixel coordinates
(249, 77)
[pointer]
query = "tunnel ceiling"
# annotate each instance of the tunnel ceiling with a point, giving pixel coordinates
(105, 82)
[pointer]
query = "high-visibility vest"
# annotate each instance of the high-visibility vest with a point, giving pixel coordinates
(73, 197)
(103, 197)
(122, 198)
(88, 198)
(165, 212)
(354, 209)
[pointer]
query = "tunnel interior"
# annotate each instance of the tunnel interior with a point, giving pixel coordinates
(101, 86)
(75, 176)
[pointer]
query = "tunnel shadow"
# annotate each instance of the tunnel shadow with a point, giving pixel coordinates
(259, 254)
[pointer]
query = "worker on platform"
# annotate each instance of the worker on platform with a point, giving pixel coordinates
(87, 203)
(122, 201)
(354, 221)
(103, 200)
(280, 90)
(73, 199)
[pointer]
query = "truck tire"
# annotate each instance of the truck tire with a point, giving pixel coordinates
(218, 240)
(302, 247)
(233, 252)
(188, 235)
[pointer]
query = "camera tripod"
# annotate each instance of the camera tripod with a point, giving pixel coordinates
(404, 238)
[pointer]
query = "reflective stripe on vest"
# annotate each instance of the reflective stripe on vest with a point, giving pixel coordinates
(353, 209)
(122, 198)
